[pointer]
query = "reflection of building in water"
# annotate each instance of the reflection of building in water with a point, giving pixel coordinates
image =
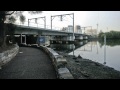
(85, 41)
(79, 43)
(92, 32)
(78, 29)
(69, 46)
(94, 43)
(63, 46)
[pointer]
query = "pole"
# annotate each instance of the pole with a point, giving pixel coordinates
(21, 38)
(25, 39)
(97, 29)
(45, 22)
(28, 22)
(73, 34)
(92, 30)
(37, 19)
(51, 22)
(104, 49)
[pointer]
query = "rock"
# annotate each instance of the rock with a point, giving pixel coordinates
(78, 64)
(79, 56)
(64, 73)
(74, 57)
(97, 64)
(76, 60)
(65, 55)
(85, 73)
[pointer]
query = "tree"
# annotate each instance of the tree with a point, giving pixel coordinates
(110, 35)
(10, 17)
(101, 34)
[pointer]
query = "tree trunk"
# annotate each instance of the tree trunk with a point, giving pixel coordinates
(2, 35)
(2, 29)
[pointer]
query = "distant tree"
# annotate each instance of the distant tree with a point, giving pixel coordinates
(100, 34)
(10, 17)
(110, 35)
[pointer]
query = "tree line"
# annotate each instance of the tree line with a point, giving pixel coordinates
(110, 35)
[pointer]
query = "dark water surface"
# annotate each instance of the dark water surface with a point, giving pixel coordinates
(105, 53)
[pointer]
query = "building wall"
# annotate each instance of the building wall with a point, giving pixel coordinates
(91, 32)
(78, 29)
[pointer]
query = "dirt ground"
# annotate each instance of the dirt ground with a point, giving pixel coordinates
(82, 68)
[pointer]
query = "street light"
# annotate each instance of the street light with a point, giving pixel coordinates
(104, 48)
(44, 18)
(61, 19)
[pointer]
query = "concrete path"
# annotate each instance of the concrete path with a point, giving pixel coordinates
(30, 63)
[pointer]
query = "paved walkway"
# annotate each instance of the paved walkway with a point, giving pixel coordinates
(31, 64)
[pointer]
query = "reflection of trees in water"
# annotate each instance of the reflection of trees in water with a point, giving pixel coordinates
(110, 42)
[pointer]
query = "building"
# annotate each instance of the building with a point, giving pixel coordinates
(92, 32)
(65, 29)
(70, 28)
(78, 29)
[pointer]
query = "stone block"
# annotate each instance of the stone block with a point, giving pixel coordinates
(64, 73)
(6, 56)
(1, 55)
(60, 62)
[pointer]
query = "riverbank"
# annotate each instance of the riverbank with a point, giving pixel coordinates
(82, 68)
(8, 47)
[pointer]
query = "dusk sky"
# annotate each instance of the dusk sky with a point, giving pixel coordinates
(105, 19)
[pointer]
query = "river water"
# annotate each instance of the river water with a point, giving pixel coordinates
(105, 53)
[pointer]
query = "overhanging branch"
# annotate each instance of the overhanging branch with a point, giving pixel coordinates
(11, 13)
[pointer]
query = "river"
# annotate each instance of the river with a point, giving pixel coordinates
(105, 53)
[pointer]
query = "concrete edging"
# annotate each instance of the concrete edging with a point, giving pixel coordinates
(59, 63)
(6, 56)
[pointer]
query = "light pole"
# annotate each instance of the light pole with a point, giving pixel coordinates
(61, 19)
(104, 48)
(73, 34)
(44, 18)
(97, 28)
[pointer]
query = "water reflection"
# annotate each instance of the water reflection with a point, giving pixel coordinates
(99, 51)
(68, 47)
(106, 53)
(63, 47)
(104, 49)
(110, 43)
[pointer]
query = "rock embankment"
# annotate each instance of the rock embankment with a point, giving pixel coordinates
(82, 68)
(8, 55)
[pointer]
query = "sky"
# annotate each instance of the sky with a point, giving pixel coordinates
(107, 20)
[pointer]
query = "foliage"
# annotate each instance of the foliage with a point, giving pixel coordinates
(110, 35)
(22, 19)
(6, 20)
